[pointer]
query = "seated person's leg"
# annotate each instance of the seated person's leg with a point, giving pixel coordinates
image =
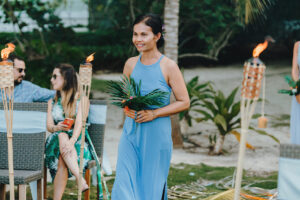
(70, 157)
(60, 180)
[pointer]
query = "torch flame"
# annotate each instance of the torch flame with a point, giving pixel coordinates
(90, 58)
(259, 48)
(10, 47)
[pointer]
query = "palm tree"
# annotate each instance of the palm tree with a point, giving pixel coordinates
(251, 10)
(171, 21)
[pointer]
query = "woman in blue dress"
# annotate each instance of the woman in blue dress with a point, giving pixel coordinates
(295, 111)
(145, 150)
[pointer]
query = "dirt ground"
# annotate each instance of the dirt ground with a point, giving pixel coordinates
(265, 156)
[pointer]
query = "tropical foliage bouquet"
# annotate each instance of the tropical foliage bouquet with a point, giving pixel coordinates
(294, 87)
(126, 93)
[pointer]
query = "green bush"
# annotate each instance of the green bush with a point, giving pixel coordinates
(40, 61)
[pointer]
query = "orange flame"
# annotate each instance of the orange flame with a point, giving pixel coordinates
(259, 48)
(10, 47)
(90, 58)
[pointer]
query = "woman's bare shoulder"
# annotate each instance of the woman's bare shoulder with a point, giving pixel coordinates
(130, 63)
(169, 63)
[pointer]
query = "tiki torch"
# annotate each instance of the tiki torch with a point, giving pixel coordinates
(85, 80)
(253, 75)
(7, 93)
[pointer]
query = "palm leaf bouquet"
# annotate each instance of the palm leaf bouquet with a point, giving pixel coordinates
(126, 93)
(294, 87)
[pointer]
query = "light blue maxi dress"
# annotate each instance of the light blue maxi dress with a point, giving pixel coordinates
(295, 114)
(144, 154)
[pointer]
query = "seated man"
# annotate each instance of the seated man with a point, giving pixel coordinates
(25, 91)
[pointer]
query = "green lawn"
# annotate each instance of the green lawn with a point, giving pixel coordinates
(99, 85)
(186, 178)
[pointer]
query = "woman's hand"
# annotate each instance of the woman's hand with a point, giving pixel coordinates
(62, 127)
(145, 116)
(68, 146)
(298, 98)
(129, 112)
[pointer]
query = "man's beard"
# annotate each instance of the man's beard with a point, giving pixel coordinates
(16, 82)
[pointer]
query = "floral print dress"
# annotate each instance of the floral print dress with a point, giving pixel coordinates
(52, 143)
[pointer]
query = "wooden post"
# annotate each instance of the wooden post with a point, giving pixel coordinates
(2, 191)
(39, 189)
(253, 74)
(45, 183)
(85, 76)
(7, 94)
(88, 180)
(22, 192)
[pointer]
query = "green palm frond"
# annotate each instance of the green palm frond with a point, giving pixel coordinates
(128, 93)
(290, 81)
(295, 87)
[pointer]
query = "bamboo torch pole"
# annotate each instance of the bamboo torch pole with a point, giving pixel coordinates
(7, 94)
(253, 74)
(85, 80)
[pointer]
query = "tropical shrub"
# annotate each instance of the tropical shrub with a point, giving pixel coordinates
(224, 113)
(197, 92)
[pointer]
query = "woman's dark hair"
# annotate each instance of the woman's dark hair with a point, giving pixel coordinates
(70, 88)
(155, 22)
(69, 74)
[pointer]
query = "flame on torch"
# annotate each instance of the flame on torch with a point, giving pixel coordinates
(90, 58)
(262, 46)
(259, 48)
(10, 47)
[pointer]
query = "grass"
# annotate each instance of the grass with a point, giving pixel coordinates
(183, 174)
(99, 85)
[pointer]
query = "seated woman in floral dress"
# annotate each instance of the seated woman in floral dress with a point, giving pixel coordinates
(63, 145)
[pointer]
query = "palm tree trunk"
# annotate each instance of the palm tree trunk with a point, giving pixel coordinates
(171, 20)
(219, 145)
(183, 126)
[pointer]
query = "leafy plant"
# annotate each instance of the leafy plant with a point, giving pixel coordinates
(197, 92)
(224, 113)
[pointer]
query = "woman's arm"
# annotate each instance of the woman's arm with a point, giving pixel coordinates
(128, 68)
(295, 68)
(129, 65)
(50, 123)
(176, 82)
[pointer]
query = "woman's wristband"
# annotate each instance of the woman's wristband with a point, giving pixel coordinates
(153, 114)
(74, 139)
(53, 128)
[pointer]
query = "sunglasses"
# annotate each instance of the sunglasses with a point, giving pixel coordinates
(20, 70)
(54, 76)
